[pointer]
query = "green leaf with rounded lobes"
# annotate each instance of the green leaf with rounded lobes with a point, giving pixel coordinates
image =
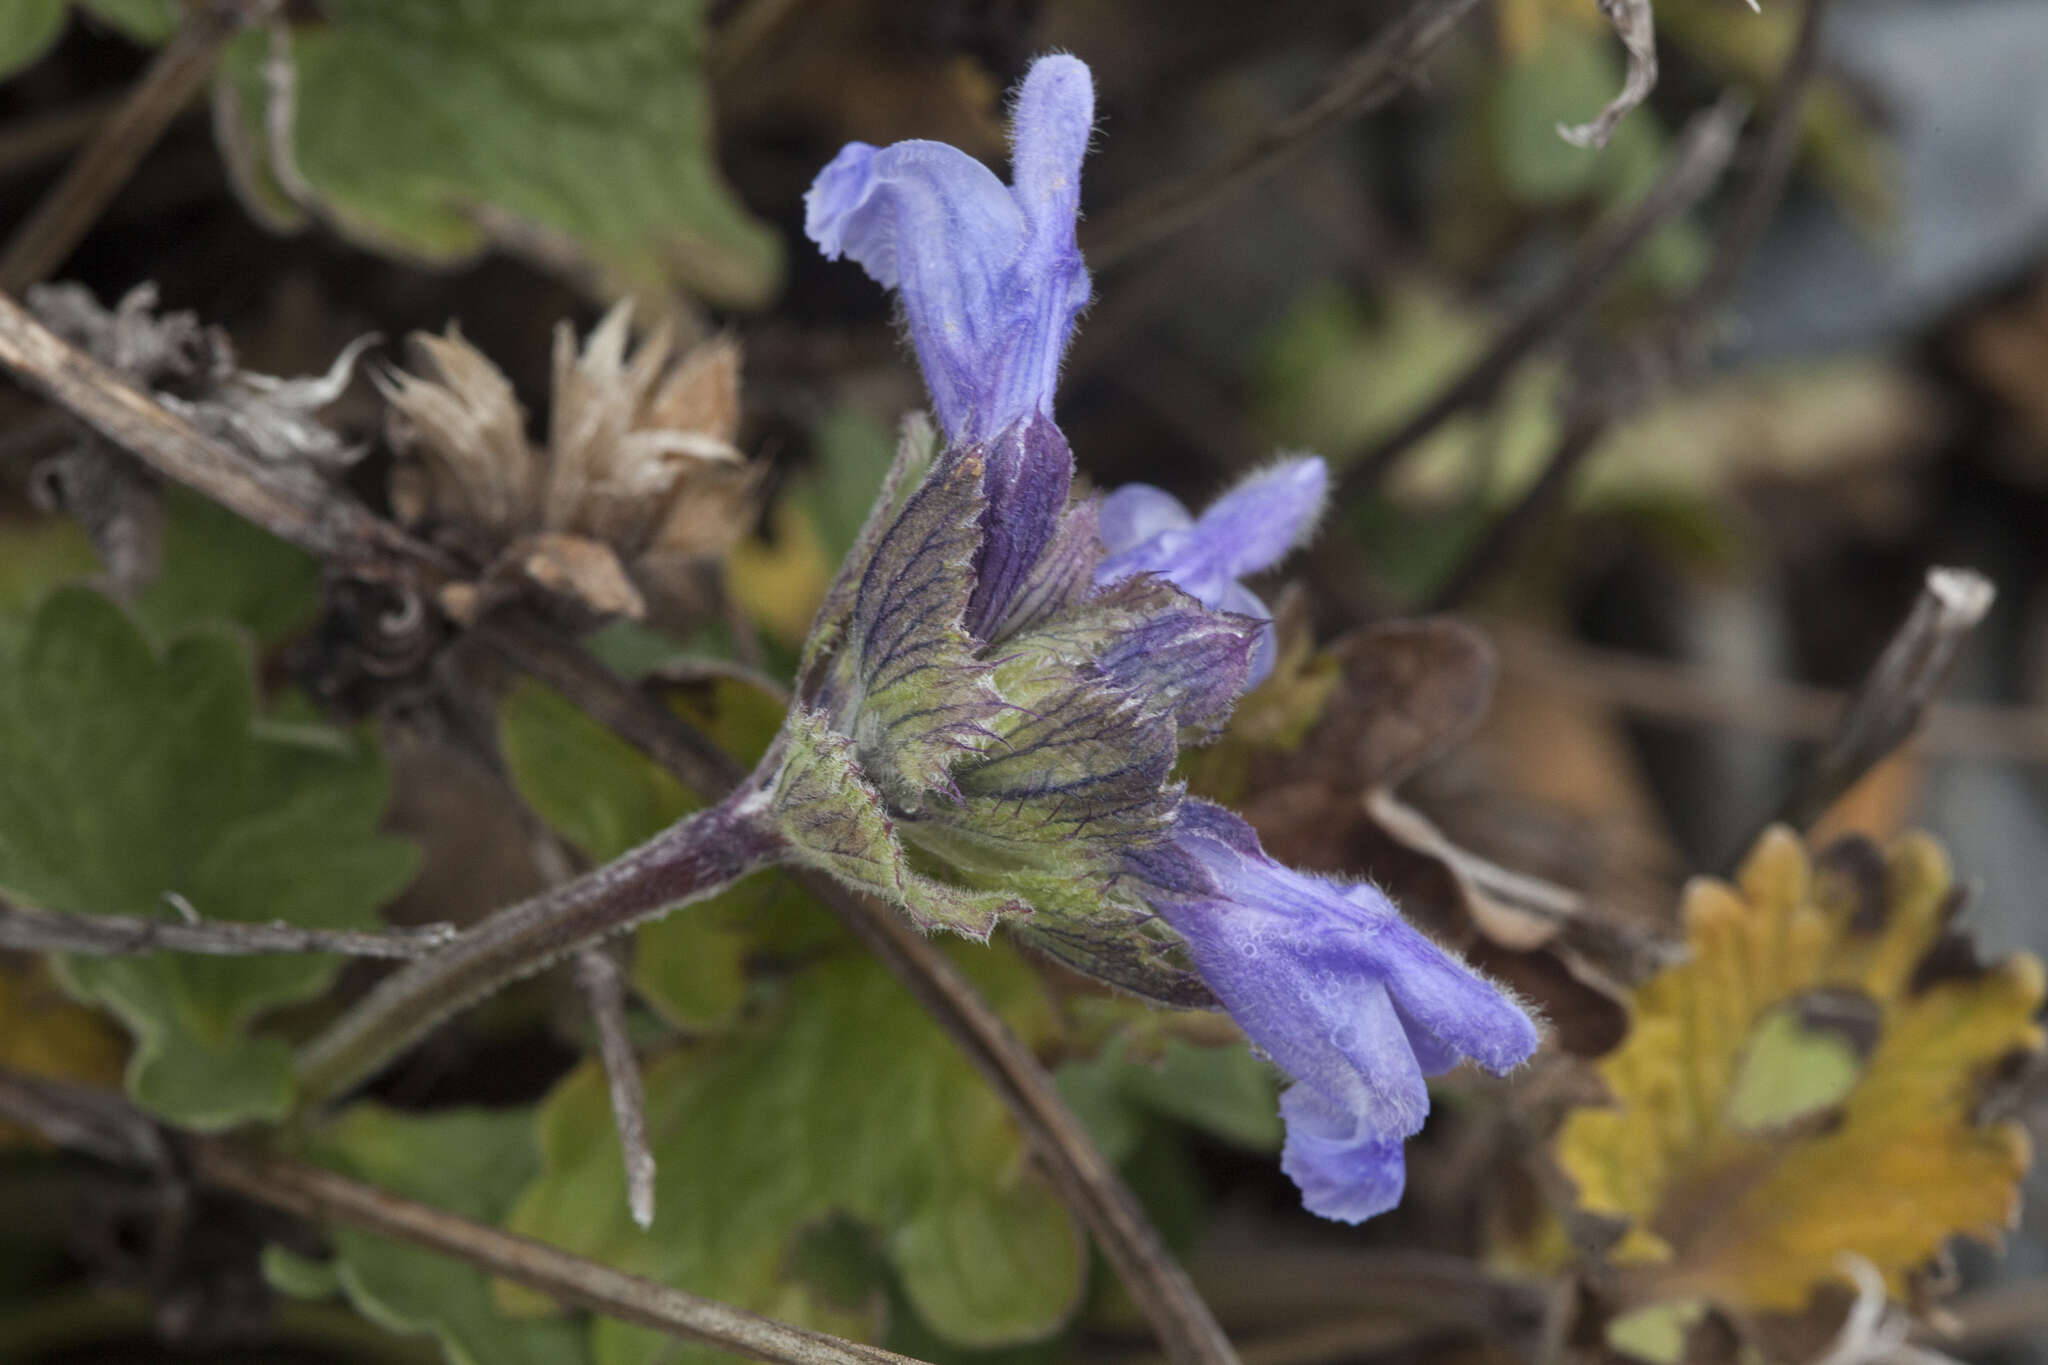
(471, 1162)
(846, 1102)
(133, 779)
(580, 136)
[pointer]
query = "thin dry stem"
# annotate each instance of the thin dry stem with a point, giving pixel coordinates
(290, 502)
(46, 238)
(105, 1126)
(1895, 695)
(29, 930)
(604, 990)
(1695, 166)
(1363, 82)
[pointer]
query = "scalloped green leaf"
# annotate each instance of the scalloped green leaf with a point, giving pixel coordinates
(133, 779)
(846, 1101)
(580, 135)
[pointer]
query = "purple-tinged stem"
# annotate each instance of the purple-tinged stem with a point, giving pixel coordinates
(690, 860)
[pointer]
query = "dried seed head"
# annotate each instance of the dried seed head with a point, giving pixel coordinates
(639, 462)
(468, 432)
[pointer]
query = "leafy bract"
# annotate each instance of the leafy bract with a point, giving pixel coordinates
(916, 698)
(134, 781)
(835, 821)
(431, 128)
(468, 1161)
(1808, 1084)
(846, 1101)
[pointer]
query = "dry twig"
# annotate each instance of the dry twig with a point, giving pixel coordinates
(604, 991)
(46, 238)
(290, 502)
(28, 930)
(1695, 166)
(1894, 697)
(1369, 78)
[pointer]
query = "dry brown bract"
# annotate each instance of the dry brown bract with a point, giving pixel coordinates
(639, 481)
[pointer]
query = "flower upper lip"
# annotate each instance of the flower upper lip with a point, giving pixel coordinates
(991, 275)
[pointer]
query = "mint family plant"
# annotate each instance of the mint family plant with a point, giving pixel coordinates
(994, 695)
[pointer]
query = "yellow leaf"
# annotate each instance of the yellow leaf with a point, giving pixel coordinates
(43, 1033)
(780, 583)
(1807, 1084)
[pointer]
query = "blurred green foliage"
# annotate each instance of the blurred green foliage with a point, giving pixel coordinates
(29, 28)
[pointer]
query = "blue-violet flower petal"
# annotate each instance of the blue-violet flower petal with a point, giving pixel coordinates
(1249, 528)
(990, 275)
(1348, 998)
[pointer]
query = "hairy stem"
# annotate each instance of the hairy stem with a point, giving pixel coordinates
(686, 862)
(29, 930)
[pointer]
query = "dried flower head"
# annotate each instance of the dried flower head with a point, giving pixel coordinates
(639, 478)
(191, 369)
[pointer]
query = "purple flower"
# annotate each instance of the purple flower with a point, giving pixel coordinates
(990, 275)
(1250, 528)
(1347, 997)
(998, 684)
